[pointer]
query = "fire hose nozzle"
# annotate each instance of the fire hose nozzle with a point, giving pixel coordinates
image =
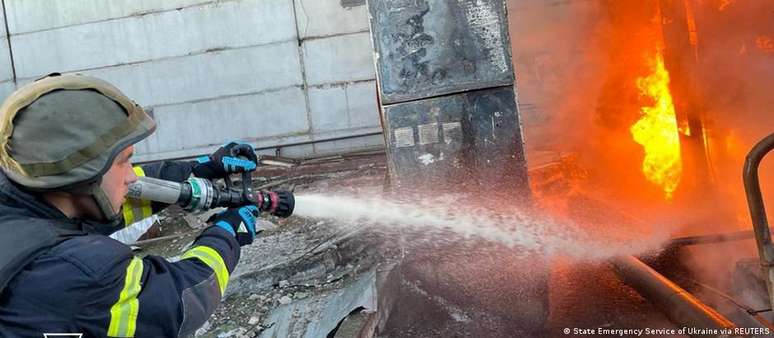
(201, 194)
(279, 203)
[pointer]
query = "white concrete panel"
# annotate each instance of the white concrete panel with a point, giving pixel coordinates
(6, 72)
(330, 17)
(154, 36)
(344, 107)
(193, 152)
(361, 101)
(338, 59)
(5, 56)
(210, 75)
(209, 123)
(328, 108)
(2, 22)
(33, 15)
(6, 88)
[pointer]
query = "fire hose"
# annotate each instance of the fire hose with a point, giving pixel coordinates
(197, 194)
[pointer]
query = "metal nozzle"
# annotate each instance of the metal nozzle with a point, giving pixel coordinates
(278, 203)
(200, 194)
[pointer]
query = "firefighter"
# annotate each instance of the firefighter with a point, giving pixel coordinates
(66, 143)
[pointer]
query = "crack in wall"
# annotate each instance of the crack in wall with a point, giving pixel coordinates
(8, 40)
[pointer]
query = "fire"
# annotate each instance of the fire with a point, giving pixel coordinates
(723, 4)
(657, 130)
(765, 43)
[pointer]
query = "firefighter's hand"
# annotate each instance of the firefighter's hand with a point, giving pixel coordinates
(240, 222)
(233, 157)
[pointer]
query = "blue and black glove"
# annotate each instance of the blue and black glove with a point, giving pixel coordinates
(240, 222)
(231, 158)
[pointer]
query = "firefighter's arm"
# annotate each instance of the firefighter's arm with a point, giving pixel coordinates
(153, 297)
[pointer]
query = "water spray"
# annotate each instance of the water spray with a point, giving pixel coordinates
(440, 218)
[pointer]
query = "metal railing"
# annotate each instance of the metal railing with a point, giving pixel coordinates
(752, 187)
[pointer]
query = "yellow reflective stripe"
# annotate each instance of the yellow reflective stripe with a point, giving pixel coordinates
(135, 210)
(145, 208)
(210, 257)
(128, 212)
(138, 171)
(123, 314)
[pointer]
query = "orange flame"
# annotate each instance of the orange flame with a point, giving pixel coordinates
(765, 43)
(723, 4)
(657, 130)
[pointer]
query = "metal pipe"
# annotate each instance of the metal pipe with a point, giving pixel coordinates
(752, 188)
(330, 139)
(711, 239)
(678, 305)
(754, 314)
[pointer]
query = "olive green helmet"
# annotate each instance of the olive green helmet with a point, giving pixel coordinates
(63, 132)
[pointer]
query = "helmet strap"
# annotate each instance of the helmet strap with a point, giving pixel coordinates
(103, 202)
(95, 191)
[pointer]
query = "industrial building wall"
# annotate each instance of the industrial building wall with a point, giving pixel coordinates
(6, 70)
(272, 72)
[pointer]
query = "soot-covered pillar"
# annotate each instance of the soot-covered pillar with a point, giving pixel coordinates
(446, 89)
(451, 123)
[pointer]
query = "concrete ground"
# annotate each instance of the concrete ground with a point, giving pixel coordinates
(302, 264)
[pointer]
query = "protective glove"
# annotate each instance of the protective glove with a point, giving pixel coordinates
(240, 222)
(233, 157)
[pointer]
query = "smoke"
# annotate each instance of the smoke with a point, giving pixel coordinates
(553, 52)
(737, 73)
(577, 63)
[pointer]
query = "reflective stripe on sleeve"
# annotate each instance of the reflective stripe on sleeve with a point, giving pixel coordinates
(135, 210)
(211, 258)
(123, 314)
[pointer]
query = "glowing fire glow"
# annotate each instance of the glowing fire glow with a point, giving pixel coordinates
(657, 130)
(765, 43)
(723, 4)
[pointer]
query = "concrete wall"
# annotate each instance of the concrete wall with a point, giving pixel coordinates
(272, 72)
(6, 73)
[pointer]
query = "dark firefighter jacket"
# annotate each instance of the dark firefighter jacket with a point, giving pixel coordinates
(57, 277)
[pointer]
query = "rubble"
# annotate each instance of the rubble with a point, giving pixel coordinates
(202, 330)
(285, 300)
